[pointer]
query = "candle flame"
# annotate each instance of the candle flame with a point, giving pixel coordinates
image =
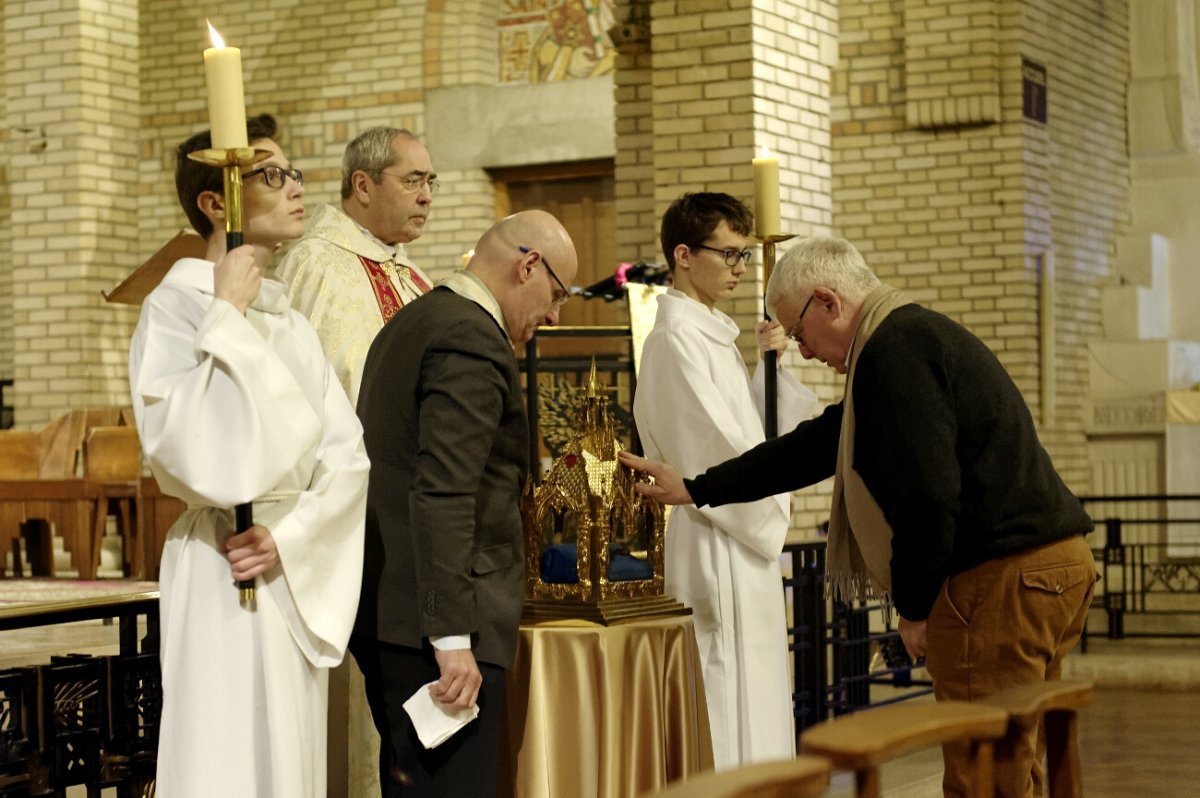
(217, 41)
(763, 152)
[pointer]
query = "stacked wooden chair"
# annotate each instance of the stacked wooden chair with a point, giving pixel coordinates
(865, 741)
(112, 457)
(801, 777)
(90, 454)
(1055, 705)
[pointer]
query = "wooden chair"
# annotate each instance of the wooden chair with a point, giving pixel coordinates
(801, 777)
(112, 459)
(18, 460)
(18, 455)
(1056, 704)
(864, 741)
(60, 443)
(47, 483)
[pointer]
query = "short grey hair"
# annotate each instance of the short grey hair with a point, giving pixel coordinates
(820, 261)
(371, 152)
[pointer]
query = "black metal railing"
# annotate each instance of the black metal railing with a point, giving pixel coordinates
(551, 382)
(1148, 549)
(845, 657)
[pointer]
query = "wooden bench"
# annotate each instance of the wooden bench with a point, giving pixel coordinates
(866, 740)
(42, 477)
(801, 777)
(1056, 704)
(112, 458)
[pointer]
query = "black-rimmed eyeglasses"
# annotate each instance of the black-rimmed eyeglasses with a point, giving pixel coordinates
(732, 256)
(795, 336)
(561, 298)
(275, 176)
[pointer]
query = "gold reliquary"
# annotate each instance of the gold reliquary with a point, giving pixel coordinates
(593, 544)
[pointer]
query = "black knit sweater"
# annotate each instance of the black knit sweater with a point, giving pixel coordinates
(946, 445)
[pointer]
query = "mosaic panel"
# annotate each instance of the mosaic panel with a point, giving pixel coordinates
(547, 40)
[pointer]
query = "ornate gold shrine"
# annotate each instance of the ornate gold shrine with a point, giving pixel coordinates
(593, 544)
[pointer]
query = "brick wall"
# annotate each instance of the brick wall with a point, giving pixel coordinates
(954, 207)
(71, 95)
(721, 78)
(633, 98)
(942, 199)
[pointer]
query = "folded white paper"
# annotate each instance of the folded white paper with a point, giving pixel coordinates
(434, 721)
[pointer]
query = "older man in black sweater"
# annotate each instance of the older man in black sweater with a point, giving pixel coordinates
(945, 504)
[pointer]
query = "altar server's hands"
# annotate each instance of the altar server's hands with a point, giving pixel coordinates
(236, 278)
(460, 682)
(250, 553)
(667, 486)
(771, 337)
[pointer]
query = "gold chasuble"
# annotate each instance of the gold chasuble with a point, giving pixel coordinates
(348, 284)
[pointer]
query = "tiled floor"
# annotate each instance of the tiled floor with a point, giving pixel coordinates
(1134, 740)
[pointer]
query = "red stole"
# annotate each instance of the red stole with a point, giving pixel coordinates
(385, 293)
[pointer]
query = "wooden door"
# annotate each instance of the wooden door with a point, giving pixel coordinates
(581, 196)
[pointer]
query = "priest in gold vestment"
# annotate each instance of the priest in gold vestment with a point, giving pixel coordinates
(349, 274)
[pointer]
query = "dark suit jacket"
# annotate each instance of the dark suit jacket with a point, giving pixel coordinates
(445, 428)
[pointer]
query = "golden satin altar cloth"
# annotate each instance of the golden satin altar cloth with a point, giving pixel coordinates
(604, 711)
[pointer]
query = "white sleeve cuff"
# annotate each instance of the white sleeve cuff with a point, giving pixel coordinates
(451, 642)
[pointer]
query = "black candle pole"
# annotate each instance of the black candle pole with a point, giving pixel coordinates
(771, 358)
(231, 161)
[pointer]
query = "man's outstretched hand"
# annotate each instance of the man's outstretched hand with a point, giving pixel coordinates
(667, 487)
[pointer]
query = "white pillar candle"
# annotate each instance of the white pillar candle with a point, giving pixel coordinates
(766, 194)
(226, 102)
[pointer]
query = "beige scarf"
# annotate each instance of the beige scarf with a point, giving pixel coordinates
(859, 555)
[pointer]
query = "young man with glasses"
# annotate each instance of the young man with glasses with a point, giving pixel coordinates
(696, 402)
(945, 505)
(235, 403)
(444, 424)
(350, 273)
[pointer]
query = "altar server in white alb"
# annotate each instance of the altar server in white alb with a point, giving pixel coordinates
(236, 403)
(696, 402)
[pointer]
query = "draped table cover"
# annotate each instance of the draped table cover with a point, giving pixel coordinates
(605, 711)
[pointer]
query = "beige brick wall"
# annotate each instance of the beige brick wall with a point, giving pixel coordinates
(633, 98)
(954, 212)
(327, 75)
(71, 83)
(1078, 183)
(722, 78)
(6, 284)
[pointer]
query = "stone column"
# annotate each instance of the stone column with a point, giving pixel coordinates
(71, 93)
(728, 77)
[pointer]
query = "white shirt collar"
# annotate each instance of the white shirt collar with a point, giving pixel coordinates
(469, 286)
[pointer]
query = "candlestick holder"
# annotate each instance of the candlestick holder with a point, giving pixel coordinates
(231, 161)
(771, 359)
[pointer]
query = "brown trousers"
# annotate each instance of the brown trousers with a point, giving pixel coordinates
(1006, 622)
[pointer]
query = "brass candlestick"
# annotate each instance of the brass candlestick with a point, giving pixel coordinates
(770, 383)
(231, 161)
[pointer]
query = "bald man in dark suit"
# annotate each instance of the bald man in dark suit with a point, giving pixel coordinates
(444, 425)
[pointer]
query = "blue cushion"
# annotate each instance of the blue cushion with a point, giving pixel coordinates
(558, 566)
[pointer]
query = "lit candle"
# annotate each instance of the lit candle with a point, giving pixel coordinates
(766, 194)
(226, 103)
